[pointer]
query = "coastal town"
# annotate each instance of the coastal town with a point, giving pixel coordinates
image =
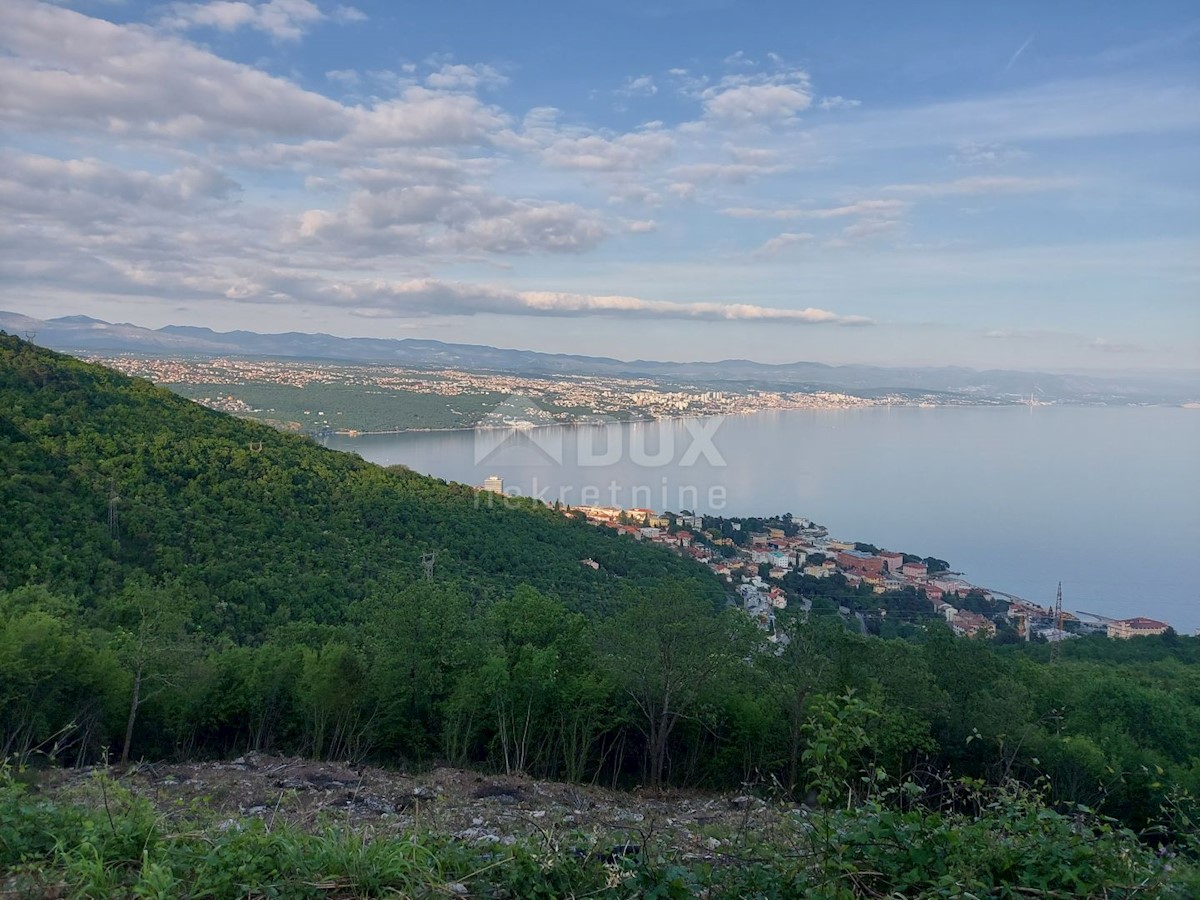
(351, 399)
(790, 566)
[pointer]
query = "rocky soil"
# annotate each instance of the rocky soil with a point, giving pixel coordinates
(470, 806)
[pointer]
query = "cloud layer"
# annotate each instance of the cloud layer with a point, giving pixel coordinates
(149, 159)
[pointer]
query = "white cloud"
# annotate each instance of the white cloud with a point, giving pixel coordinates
(747, 103)
(458, 77)
(730, 173)
(54, 187)
(424, 117)
(285, 20)
(983, 184)
(838, 103)
(79, 72)
(782, 242)
(430, 296)
(427, 219)
(642, 86)
(641, 226)
(760, 98)
(973, 153)
(870, 228)
(345, 77)
(597, 153)
(877, 208)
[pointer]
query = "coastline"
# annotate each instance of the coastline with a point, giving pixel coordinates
(356, 433)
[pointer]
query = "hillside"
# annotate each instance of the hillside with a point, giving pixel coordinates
(266, 527)
(257, 594)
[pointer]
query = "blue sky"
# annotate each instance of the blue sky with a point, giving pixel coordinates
(936, 183)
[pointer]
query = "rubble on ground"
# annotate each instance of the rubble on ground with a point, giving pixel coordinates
(470, 806)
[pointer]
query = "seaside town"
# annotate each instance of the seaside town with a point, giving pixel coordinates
(546, 400)
(787, 565)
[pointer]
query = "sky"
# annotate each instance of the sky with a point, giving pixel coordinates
(992, 185)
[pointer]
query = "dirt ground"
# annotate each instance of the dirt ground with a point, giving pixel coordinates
(470, 806)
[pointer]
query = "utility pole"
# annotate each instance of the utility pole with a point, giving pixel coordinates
(428, 561)
(1055, 649)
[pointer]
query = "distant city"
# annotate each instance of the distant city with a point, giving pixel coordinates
(352, 394)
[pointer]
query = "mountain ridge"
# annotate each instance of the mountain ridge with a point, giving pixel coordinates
(87, 334)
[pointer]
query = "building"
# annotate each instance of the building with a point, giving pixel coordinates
(952, 586)
(1138, 626)
(493, 483)
(892, 561)
(914, 569)
(859, 563)
(969, 624)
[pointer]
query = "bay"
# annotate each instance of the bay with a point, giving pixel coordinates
(1104, 499)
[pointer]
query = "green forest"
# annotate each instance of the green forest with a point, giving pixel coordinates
(176, 582)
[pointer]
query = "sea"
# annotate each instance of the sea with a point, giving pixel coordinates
(1105, 500)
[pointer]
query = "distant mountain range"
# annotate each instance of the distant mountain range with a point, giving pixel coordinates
(79, 334)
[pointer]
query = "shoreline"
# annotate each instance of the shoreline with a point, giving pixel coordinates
(355, 433)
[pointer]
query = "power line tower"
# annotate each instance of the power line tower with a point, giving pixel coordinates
(428, 561)
(1055, 645)
(114, 516)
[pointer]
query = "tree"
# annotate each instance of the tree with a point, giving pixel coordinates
(797, 670)
(149, 636)
(665, 651)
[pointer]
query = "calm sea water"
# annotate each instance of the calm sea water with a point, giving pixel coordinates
(1105, 500)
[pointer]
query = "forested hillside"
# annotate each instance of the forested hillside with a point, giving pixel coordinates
(258, 592)
(258, 527)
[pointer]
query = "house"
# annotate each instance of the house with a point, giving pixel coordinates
(1138, 626)
(952, 586)
(969, 624)
(914, 570)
